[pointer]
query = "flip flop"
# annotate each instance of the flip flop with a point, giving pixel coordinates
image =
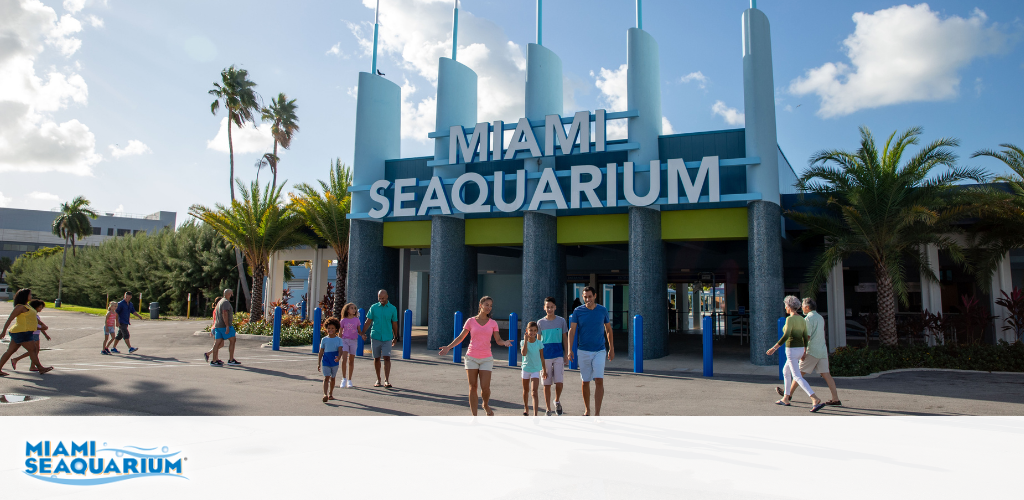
(207, 356)
(490, 412)
(834, 403)
(45, 370)
(376, 384)
(817, 407)
(780, 391)
(781, 403)
(325, 399)
(388, 385)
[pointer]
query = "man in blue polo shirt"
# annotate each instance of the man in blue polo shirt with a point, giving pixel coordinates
(590, 321)
(382, 323)
(125, 309)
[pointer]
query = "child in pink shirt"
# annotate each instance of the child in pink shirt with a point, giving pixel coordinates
(349, 331)
(479, 362)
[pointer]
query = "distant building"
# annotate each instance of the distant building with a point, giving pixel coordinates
(24, 231)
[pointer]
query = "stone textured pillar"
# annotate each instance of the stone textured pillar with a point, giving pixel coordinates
(764, 248)
(372, 266)
(449, 258)
(562, 288)
(540, 263)
(648, 285)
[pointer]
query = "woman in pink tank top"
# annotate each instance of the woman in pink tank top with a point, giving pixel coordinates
(479, 362)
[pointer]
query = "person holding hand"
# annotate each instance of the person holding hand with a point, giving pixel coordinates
(478, 360)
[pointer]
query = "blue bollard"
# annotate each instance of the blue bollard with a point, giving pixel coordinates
(782, 350)
(407, 335)
(709, 359)
(513, 335)
(359, 339)
(302, 309)
(575, 363)
(638, 344)
(277, 329)
(316, 329)
(457, 351)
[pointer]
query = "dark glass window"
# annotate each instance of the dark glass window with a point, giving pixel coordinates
(97, 231)
(110, 231)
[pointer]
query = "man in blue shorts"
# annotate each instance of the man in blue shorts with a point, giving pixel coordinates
(382, 323)
(590, 321)
(125, 310)
(223, 329)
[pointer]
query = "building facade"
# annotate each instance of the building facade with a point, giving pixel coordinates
(24, 231)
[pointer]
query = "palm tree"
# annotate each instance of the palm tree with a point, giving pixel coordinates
(5, 266)
(239, 97)
(325, 211)
(284, 125)
(1000, 225)
(868, 202)
(72, 223)
(258, 226)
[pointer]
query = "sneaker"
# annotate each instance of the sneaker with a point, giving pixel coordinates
(207, 356)
(114, 350)
(342, 384)
(549, 413)
(558, 407)
(217, 363)
(348, 383)
(233, 362)
(132, 349)
(105, 352)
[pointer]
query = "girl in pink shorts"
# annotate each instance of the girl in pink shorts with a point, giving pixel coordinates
(349, 343)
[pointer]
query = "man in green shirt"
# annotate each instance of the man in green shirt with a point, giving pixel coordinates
(815, 357)
(382, 322)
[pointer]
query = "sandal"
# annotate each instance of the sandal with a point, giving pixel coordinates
(833, 403)
(376, 384)
(781, 403)
(45, 370)
(490, 412)
(387, 385)
(325, 399)
(780, 391)
(817, 407)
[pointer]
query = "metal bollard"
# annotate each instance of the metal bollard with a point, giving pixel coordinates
(360, 344)
(782, 350)
(575, 363)
(638, 344)
(277, 329)
(457, 351)
(302, 309)
(407, 335)
(709, 360)
(513, 335)
(317, 318)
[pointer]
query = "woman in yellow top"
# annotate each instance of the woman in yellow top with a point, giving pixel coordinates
(794, 336)
(25, 324)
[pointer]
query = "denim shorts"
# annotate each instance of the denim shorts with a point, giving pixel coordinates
(110, 330)
(21, 337)
(329, 371)
(591, 364)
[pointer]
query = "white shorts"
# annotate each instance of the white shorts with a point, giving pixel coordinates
(812, 364)
(485, 364)
(531, 375)
(556, 369)
(591, 364)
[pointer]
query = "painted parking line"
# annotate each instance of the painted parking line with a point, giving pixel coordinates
(132, 365)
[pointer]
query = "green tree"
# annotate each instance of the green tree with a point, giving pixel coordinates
(284, 125)
(5, 266)
(325, 210)
(258, 225)
(239, 98)
(72, 223)
(871, 202)
(1000, 224)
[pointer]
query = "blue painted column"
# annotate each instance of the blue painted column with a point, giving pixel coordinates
(360, 344)
(648, 284)
(781, 353)
(575, 347)
(456, 331)
(407, 334)
(638, 339)
(513, 335)
(706, 334)
(276, 342)
(316, 330)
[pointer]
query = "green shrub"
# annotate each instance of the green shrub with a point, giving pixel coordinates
(852, 361)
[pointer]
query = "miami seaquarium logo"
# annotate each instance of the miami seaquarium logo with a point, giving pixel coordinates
(83, 464)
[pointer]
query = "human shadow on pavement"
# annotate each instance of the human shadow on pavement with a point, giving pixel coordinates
(446, 399)
(353, 405)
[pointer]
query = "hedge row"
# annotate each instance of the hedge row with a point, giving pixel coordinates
(852, 361)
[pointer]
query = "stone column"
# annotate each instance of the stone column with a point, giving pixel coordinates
(449, 258)
(372, 266)
(540, 263)
(764, 247)
(648, 284)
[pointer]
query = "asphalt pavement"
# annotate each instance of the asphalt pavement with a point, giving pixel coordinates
(168, 376)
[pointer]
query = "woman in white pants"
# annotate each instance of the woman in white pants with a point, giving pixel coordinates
(794, 336)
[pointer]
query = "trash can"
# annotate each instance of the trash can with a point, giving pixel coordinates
(154, 310)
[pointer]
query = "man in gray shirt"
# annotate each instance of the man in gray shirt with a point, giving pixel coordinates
(223, 329)
(815, 357)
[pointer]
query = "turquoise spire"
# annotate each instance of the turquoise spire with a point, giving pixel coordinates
(640, 14)
(540, 22)
(376, 26)
(455, 30)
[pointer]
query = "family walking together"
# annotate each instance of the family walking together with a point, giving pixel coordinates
(804, 341)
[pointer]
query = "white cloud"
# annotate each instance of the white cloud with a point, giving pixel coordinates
(732, 116)
(37, 195)
(248, 139)
(418, 119)
(29, 137)
(612, 84)
(74, 6)
(897, 55)
(94, 21)
(4, 201)
(978, 86)
(666, 127)
(335, 50)
(696, 76)
(133, 148)
(353, 91)
(415, 33)
(119, 209)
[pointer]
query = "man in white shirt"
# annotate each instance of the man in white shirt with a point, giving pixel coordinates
(815, 357)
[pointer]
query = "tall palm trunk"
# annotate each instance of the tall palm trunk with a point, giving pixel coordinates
(340, 275)
(60, 281)
(256, 303)
(273, 165)
(231, 182)
(886, 306)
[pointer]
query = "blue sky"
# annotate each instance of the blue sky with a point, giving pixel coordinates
(108, 99)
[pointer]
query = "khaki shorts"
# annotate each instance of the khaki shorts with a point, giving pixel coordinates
(485, 364)
(812, 364)
(556, 370)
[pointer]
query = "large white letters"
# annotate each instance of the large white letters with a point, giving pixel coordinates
(375, 195)
(499, 191)
(435, 198)
(402, 196)
(523, 140)
(478, 206)
(708, 169)
(576, 186)
(628, 185)
(553, 130)
(541, 194)
(477, 141)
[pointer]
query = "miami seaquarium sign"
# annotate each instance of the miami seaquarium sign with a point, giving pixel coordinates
(474, 145)
(85, 464)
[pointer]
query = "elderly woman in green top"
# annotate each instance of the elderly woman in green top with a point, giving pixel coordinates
(794, 337)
